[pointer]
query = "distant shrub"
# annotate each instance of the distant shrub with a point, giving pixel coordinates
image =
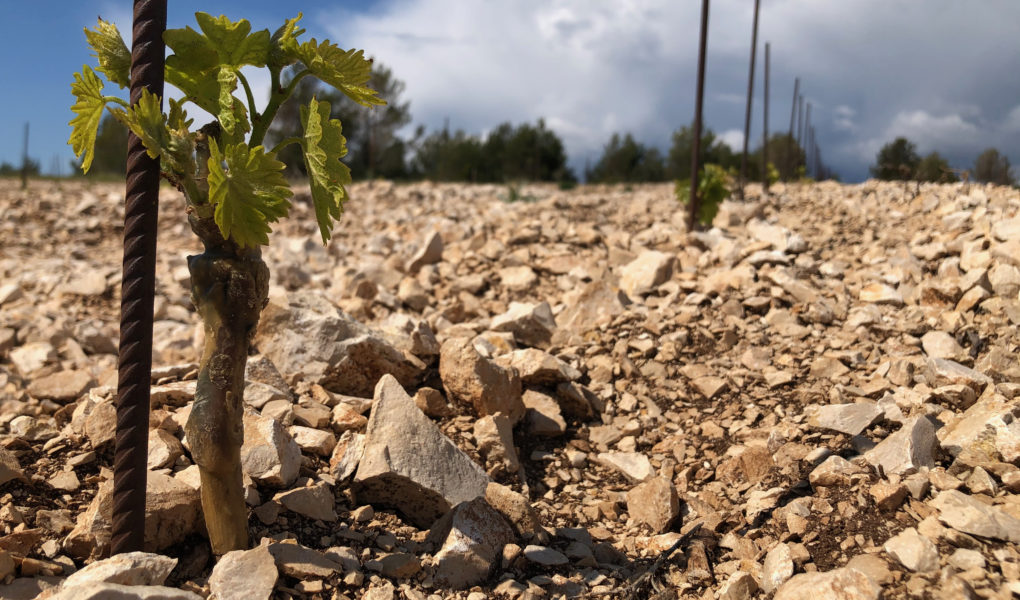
(713, 188)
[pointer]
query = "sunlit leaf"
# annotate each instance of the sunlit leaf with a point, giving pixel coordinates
(147, 121)
(248, 190)
(199, 85)
(346, 70)
(324, 145)
(113, 54)
(88, 109)
(231, 113)
(231, 41)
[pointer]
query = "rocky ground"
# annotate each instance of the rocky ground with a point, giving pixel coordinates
(464, 397)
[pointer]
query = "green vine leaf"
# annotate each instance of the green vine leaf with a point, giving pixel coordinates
(248, 190)
(147, 121)
(283, 39)
(199, 60)
(113, 54)
(231, 113)
(88, 90)
(323, 146)
(199, 85)
(346, 70)
(231, 41)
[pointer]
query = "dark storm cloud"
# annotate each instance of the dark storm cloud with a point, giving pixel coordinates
(945, 74)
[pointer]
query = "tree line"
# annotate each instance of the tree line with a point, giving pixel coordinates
(507, 153)
(899, 160)
(532, 152)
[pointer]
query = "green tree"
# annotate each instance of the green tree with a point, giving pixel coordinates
(784, 155)
(992, 167)
(525, 152)
(441, 156)
(897, 160)
(32, 169)
(624, 160)
(373, 147)
(935, 168)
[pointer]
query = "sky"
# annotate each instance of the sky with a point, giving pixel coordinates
(943, 73)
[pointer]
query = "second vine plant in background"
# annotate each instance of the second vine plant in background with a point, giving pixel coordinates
(234, 189)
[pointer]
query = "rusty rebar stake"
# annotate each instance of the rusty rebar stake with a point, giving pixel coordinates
(750, 98)
(137, 291)
(765, 129)
(692, 207)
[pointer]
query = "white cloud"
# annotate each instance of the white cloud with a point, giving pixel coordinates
(1012, 122)
(590, 68)
(595, 67)
(949, 134)
(931, 131)
(734, 138)
(843, 119)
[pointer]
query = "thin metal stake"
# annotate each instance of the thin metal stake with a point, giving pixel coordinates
(800, 121)
(793, 106)
(137, 290)
(24, 161)
(750, 96)
(765, 127)
(807, 139)
(692, 208)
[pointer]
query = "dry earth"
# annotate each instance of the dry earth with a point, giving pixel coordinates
(817, 398)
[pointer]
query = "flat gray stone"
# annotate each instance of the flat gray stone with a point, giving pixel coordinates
(544, 556)
(850, 419)
(62, 386)
(838, 584)
(964, 513)
(244, 575)
(532, 324)
(130, 568)
(314, 501)
(269, 454)
(939, 344)
(942, 371)
(301, 562)
(632, 465)
(989, 429)
(650, 269)
(116, 591)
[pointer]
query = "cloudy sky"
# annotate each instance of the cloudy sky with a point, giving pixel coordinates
(945, 74)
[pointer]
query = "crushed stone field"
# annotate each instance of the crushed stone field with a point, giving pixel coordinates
(465, 397)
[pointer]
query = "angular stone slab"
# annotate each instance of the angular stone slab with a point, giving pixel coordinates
(850, 419)
(912, 447)
(309, 339)
(472, 536)
(244, 575)
(966, 514)
(990, 428)
(473, 379)
(409, 464)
